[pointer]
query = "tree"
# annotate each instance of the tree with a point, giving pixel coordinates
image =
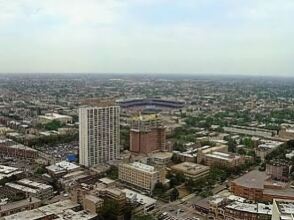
(232, 145)
(174, 194)
(110, 209)
(175, 159)
(125, 137)
(180, 178)
(143, 217)
(206, 193)
(40, 170)
(241, 151)
(53, 125)
(159, 189)
(112, 173)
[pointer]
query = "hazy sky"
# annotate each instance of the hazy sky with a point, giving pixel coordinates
(156, 36)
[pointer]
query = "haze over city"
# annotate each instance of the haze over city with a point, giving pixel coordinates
(249, 37)
(146, 110)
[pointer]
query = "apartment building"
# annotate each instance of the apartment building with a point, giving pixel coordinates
(99, 134)
(32, 188)
(147, 134)
(278, 170)
(140, 175)
(18, 206)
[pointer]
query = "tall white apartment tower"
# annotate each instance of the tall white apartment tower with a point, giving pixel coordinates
(99, 134)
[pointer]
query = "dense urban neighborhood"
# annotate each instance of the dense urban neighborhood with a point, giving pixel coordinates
(146, 147)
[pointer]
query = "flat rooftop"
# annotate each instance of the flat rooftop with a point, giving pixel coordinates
(258, 208)
(6, 171)
(41, 212)
(52, 116)
(253, 179)
(137, 197)
(286, 208)
(223, 156)
(106, 180)
(62, 166)
(162, 155)
(142, 167)
(190, 168)
(18, 204)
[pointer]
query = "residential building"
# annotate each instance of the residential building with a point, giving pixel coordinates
(18, 206)
(9, 148)
(278, 170)
(99, 134)
(147, 134)
(32, 188)
(7, 172)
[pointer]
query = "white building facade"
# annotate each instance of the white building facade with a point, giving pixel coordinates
(99, 135)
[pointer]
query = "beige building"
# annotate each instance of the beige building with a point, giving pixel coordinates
(99, 135)
(218, 155)
(93, 197)
(93, 204)
(222, 159)
(191, 170)
(140, 175)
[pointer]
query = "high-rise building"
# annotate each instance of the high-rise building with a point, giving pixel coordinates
(99, 134)
(147, 134)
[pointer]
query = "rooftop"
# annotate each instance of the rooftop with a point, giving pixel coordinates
(286, 208)
(6, 171)
(258, 208)
(142, 166)
(41, 212)
(190, 168)
(253, 179)
(18, 204)
(162, 155)
(223, 156)
(137, 197)
(62, 166)
(150, 117)
(52, 116)
(106, 180)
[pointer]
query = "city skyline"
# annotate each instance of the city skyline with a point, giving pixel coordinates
(201, 37)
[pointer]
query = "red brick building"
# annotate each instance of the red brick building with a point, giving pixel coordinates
(147, 134)
(258, 186)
